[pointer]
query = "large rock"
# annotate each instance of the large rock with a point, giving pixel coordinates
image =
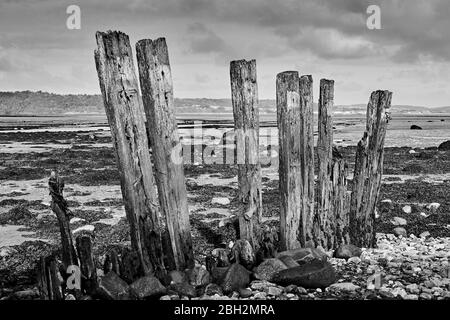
(288, 261)
(346, 251)
(303, 255)
(112, 287)
(268, 268)
(243, 253)
(147, 287)
(235, 278)
(444, 146)
(198, 276)
(314, 274)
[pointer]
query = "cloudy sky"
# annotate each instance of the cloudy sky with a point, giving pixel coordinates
(410, 55)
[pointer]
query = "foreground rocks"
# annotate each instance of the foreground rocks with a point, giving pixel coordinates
(313, 274)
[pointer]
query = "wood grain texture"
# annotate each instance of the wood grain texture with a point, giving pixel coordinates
(368, 170)
(119, 87)
(244, 98)
(290, 170)
(324, 217)
(157, 95)
(307, 159)
(87, 264)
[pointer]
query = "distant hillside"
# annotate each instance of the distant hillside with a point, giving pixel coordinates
(43, 103)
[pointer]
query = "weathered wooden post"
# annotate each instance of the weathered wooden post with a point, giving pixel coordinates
(368, 170)
(290, 171)
(307, 159)
(341, 200)
(325, 236)
(119, 86)
(59, 207)
(244, 97)
(157, 95)
(87, 264)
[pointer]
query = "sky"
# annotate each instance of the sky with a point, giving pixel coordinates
(409, 55)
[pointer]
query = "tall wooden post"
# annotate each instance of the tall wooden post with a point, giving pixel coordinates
(119, 86)
(290, 171)
(368, 170)
(244, 97)
(325, 236)
(87, 264)
(307, 159)
(157, 95)
(341, 201)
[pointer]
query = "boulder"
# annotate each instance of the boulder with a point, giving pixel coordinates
(235, 278)
(314, 274)
(198, 276)
(147, 287)
(304, 255)
(415, 127)
(112, 287)
(346, 251)
(444, 146)
(268, 268)
(288, 261)
(243, 253)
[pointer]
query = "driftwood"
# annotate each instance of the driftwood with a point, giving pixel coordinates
(289, 123)
(157, 95)
(119, 87)
(368, 170)
(50, 278)
(244, 97)
(60, 208)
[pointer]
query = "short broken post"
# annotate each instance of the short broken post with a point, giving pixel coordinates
(244, 98)
(325, 213)
(157, 94)
(368, 170)
(60, 208)
(87, 264)
(119, 86)
(290, 171)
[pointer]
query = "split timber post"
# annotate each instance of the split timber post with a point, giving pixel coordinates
(157, 95)
(87, 264)
(325, 212)
(59, 207)
(119, 86)
(368, 170)
(289, 124)
(244, 97)
(307, 159)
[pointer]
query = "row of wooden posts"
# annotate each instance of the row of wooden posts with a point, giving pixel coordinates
(319, 214)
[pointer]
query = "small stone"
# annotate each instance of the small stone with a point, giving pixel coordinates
(344, 286)
(347, 251)
(355, 260)
(70, 297)
(166, 297)
(274, 291)
(198, 276)
(260, 296)
(411, 297)
(243, 253)
(397, 221)
(426, 296)
(221, 256)
(291, 288)
(399, 231)
(413, 288)
(212, 289)
(407, 210)
(245, 293)
(424, 234)
(177, 276)
(399, 292)
(221, 200)
(433, 206)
